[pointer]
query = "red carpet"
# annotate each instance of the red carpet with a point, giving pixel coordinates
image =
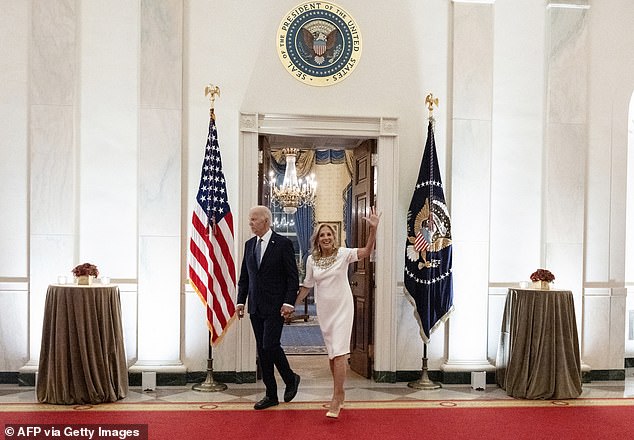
(448, 420)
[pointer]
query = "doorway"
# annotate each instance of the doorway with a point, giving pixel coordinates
(382, 354)
(343, 173)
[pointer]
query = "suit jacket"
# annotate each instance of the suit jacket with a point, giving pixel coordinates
(276, 281)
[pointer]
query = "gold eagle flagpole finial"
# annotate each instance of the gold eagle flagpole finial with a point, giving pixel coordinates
(212, 91)
(431, 101)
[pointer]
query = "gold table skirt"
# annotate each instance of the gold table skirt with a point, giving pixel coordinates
(538, 354)
(82, 356)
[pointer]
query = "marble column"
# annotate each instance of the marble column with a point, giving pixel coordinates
(160, 150)
(566, 144)
(52, 156)
(516, 153)
(14, 109)
(107, 149)
(608, 268)
(584, 212)
(471, 171)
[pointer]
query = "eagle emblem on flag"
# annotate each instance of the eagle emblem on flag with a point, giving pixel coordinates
(432, 233)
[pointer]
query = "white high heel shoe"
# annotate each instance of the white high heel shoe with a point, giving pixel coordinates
(333, 412)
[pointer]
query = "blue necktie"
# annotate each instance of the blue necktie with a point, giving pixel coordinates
(258, 252)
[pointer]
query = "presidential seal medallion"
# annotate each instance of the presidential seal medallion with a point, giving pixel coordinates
(319, 43)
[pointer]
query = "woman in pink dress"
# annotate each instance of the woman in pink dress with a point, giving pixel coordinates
(327, 272)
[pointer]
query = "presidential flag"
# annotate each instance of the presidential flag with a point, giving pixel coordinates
(212, 271)
(428, 273)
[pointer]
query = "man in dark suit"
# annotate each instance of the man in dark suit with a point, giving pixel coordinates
(269, 288)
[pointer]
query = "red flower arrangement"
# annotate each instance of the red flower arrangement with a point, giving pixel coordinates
(86, 269)
(543, 275)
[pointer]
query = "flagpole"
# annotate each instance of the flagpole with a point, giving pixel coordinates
(210, 385)
(424, 383)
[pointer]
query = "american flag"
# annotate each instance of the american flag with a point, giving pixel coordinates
(212, 270)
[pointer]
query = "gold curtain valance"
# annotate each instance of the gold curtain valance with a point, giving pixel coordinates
(303, 163)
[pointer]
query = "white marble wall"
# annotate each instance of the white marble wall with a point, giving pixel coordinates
(106, 148)
(516, 153)
(14, 34)
(566, 145)
(14, 313)
(160, 244)
(609, 95)
(517, 139)
(471, 183)
(103, 112)
(107, 129)
(52, 159)
(431, 22)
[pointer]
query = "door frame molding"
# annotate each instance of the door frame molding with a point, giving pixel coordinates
(385, 131)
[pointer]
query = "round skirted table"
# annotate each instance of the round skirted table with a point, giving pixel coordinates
(82, 357)
(538, 354)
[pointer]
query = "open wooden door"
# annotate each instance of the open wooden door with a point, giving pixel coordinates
(264, 166)
(362, 272)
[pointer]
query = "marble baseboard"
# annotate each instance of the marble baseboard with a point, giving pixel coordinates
(385, 376)
(162, 379)
(10, 377)
(172, 379)
(181, 379)
(602, 375)
(461, 378)
(445, 377)
(134, 379)
(222, 376)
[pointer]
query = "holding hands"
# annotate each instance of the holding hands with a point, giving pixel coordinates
(286, 311)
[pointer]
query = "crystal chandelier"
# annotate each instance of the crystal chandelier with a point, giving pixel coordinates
(293, 193)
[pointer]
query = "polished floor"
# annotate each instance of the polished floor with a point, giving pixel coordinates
(316, 388)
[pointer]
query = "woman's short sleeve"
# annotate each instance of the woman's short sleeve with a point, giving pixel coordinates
(350, 254)
(308, 278)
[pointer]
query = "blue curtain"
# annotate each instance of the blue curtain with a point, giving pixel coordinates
(304, 221)
(278, 167)
(323, 157)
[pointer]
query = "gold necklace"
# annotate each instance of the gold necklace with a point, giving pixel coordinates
(326, 262)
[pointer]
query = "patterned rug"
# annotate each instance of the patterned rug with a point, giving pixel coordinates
(303, 338)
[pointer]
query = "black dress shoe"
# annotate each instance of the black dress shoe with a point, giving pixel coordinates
(291, 390)
(266, 402)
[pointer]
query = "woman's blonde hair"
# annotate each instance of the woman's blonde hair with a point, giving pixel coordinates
(314, 240)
